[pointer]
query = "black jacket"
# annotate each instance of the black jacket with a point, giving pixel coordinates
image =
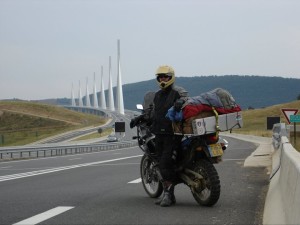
(164, 100)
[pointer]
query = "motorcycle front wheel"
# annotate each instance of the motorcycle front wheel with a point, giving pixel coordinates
(150, 178)
(208, 189)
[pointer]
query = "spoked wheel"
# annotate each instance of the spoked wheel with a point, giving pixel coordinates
(208, 190)
(150, 179)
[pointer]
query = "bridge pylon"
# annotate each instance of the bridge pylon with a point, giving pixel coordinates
(102, 94)
(111, 103)
(120, 102)
(95, 99)
(80, 103)
(87, 97)
(73, 103)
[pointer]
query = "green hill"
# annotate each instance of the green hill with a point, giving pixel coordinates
(23, 122)
(255, 121)
(248, 91)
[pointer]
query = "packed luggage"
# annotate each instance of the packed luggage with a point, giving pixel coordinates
(210, 112)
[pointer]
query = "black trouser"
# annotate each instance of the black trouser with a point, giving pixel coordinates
(164, 145)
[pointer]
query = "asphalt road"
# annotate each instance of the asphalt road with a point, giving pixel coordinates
(103, 188)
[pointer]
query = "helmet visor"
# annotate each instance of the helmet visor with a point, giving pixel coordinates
(164, 75)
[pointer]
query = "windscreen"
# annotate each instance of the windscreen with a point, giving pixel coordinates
(148, 99)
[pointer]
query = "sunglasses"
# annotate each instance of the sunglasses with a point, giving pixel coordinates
(163, 76)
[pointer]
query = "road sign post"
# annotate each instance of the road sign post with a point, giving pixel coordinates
(288, 112)
(295, 119)
(120, 129)
(2, 139)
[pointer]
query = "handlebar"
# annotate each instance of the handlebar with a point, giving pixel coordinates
(139, 119)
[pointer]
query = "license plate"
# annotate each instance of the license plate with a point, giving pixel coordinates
(215, 150)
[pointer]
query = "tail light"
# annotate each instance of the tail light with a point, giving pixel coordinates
(213, 139)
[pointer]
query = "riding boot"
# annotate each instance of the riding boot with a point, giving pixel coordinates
(157, 202)
(168, 197)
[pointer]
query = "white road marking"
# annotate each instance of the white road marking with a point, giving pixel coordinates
(75, 158)
(5, 167)
(139, 180)
(56, 169)
(233, 159)
(226, 145)
(117, 164)
(45, 215)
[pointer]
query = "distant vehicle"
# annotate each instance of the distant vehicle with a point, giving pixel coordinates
(112, 138)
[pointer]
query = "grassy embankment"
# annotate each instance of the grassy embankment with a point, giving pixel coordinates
(23, 122)
(255, 121)
(26, 122)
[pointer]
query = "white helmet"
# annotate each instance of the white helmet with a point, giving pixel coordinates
(167, 71)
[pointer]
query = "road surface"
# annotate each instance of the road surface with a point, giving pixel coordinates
(104, 188)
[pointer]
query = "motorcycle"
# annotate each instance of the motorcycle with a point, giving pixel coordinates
(195, 160)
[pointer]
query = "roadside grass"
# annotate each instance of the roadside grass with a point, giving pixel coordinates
(255, 121)
(23, 122)
(95, 135)
(297, 143)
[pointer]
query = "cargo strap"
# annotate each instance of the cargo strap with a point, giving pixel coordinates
(176, 126)
(217, 121)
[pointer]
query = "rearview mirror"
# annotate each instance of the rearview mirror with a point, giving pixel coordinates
(139, 106)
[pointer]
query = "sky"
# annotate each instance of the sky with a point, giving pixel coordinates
(48, 46)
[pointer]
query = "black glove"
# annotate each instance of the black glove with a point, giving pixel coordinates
(178, 104)
(135, 121)
(132, 123)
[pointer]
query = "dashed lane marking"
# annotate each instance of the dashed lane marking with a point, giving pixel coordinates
(226, 145)
(139, 180)
(56, 169)
(45, 215)
(5, 167)
(74, 159)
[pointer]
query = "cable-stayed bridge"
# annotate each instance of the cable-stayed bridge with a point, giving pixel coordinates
(84, 104)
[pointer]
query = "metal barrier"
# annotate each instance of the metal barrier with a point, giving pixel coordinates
(8, 153)
(279, 130)
(283, 199)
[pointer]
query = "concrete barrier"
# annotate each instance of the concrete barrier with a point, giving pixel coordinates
(283, 199)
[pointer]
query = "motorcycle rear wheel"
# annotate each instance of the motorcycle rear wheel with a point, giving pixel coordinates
(150, 179)
(209, 189)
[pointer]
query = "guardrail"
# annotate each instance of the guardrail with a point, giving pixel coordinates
(283, 198)
(24, 152)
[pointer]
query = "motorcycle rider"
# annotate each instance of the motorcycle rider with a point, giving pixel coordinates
(165, 140)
